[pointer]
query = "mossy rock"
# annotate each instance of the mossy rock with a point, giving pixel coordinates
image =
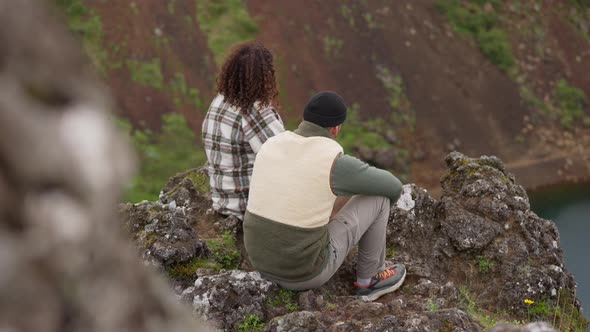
(199, 181)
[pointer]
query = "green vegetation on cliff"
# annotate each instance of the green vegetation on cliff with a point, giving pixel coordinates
(147, 73)
(479, 19)
(402, 114)
(357, 133)
(182, 94)
(332, 46)
(161, 155)
(569, 102)
(84, 22)
(225, 23)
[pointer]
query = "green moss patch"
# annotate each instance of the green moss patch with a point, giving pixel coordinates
(251, 323)
(189, 268)
(200, 181)
(285, 298)
(484, 265)
(147, 73)
(224, 251)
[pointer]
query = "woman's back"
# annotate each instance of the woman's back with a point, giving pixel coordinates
(240, 118)
(231, 139)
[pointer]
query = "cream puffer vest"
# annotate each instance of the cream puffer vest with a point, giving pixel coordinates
(291, 180)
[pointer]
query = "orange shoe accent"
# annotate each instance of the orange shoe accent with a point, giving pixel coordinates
(388, 272)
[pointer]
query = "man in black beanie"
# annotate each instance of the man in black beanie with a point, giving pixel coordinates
(289, 232)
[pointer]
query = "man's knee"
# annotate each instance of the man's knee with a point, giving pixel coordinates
(381, 202)
(374, 199)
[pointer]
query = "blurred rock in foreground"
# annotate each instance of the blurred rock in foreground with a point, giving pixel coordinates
(65, 265)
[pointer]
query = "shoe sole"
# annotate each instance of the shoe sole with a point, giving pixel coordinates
(378, 294)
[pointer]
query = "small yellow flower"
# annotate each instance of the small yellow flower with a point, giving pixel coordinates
(528, 301)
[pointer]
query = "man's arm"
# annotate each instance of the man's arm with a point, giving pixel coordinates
(351, 176)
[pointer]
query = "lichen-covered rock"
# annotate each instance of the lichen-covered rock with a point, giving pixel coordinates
(165, 229)
(310, 300)
(467, 230)
(481, 234)
(478, 248)
(163, 232)
(228, 298)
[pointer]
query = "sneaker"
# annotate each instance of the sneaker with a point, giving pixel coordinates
(382, 283)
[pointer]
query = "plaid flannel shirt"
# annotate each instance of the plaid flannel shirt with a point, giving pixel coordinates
(231, 141)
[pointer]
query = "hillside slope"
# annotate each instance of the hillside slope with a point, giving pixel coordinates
(486, 77)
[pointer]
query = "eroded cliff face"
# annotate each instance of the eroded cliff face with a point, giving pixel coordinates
(424, 71)
(473, 257)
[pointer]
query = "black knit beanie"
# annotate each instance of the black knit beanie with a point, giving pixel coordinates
(326, 109)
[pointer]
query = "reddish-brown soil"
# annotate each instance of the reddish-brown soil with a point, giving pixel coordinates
(460, 99)
(182, 48)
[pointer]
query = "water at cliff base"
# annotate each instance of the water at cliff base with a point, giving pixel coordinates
(569, 207)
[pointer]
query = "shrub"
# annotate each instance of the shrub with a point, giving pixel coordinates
(469, 17)
(495, 45)
(356, 133)
(570, 102)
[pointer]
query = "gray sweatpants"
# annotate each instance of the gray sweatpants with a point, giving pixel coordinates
(362, 220)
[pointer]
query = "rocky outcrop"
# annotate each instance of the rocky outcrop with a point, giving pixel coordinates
(482, 234)
(228, 297)
(165, 229)
(473, 257)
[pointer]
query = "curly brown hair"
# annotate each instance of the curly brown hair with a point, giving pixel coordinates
(247, 76)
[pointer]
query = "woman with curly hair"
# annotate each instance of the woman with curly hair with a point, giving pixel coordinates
(241, 117)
